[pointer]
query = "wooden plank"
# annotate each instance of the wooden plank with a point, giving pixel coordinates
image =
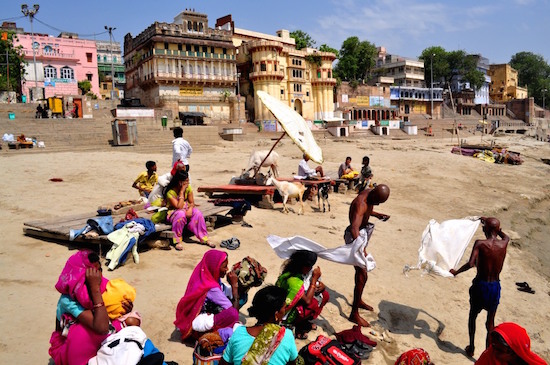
(63, 237)
(238, 189)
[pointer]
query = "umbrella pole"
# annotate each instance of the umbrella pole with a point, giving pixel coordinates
(269, 153)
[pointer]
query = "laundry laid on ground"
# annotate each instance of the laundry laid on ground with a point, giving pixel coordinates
(492, 155)
(443, 245)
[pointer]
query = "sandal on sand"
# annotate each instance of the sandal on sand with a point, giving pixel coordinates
(301, 336)
(233, 244)
(526, 289)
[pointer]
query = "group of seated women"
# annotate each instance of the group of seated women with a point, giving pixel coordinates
(211, 306)
(174, 192)
(89, 310)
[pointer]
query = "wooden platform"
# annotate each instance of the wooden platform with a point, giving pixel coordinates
(59, 228)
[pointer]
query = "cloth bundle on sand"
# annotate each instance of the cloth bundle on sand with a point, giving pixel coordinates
(350, 254)
(443, 245)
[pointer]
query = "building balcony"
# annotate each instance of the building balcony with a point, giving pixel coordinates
(323, 80)
(52, 55)
(279, 75)
(176, 53)
(172, 77)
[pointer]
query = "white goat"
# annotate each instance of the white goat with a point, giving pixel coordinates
(289, 190)
(256, 159)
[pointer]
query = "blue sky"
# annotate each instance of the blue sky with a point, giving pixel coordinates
(497, 29)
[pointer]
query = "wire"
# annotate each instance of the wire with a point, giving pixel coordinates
(14, 18)
(64, 31)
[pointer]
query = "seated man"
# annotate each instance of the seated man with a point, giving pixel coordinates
(347, 172)
(147, 179)
(305, 172)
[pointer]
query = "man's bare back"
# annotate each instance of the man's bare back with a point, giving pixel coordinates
(490, 258)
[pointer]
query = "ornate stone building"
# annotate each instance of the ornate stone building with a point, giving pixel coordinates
(183, 66)
(302, 79)
(504, 84)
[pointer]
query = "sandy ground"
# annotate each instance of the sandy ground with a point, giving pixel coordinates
(426, 182)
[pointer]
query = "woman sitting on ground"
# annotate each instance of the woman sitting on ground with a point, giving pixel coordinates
(266, 341)
(509, 343)
(306, 296)
(205, 306)
(82, 321)
(182, 211)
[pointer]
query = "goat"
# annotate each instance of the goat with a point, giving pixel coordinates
(322, 194)
(256, 159)
(289, 190)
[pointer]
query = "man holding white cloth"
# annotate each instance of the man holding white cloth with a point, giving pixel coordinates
(361, 209)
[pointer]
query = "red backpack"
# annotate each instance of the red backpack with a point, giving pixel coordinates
(325, 351)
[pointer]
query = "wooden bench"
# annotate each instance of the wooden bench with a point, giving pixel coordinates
(59, 228)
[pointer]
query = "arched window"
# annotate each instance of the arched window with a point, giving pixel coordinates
(67, 73)
(189, 25)
(48, 49)
(201, 27)
(50, 72)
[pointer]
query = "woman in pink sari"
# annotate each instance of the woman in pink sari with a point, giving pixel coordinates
(182, 211)
(82, 322)
(205, 307)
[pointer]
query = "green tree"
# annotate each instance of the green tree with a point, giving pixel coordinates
(303, 40)
(14, 57)
(357, 59)
(449, 66)
(533, 72)
(326, 48)
(85, 86)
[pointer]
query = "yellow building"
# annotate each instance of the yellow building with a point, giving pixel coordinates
(302, 79)
(504, 84)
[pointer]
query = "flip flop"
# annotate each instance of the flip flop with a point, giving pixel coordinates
(522, 285)
(527, 289)
(234, 244)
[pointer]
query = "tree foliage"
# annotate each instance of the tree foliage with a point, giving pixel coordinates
(451, 66)
(85, 86)
(303, 40)
(326, 48)
(357, 59)
(533, 72)
(12, 55)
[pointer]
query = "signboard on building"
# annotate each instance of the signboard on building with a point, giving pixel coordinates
(345, 98)
(362, 100)
(191, 91)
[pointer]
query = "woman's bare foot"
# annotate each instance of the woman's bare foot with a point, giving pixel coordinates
(469, 350)
(356, 318)
(364, 305)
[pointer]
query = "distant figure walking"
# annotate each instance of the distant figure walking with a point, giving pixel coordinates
(488, 256)
(181, 149)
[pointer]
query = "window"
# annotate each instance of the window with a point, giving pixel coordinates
(189, 25)
(179, 47)
(274, 67)
(50, 72)
(165, 45)
(114, 59)
(104, 86)
(89, 57)
(89, 77)
(104, 58)
(48, 49)
(263, 67)
(196, 48)
(205, 49)
(98, 58)
(188, 47)
(297, 88)
(318, 74)
(282, 91)
(224, 50)
(67, 73)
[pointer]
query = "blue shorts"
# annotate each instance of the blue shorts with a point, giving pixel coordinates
(484, 295)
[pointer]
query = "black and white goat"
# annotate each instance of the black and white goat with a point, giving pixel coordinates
(322, 194)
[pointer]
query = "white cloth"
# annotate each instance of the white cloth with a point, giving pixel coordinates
(162, 182)
(350, 254)
(305, 170)
(121, 239)
(181, 151)
(443, 245)
(125, 351)
(203, 322)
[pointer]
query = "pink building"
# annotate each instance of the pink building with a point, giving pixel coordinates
(60, 63)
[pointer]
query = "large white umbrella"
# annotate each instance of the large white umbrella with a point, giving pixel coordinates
(294, 125)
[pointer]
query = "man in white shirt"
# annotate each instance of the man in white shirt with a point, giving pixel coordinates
(306, 172)
(181, 149)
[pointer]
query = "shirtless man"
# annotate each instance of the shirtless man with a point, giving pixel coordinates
(488, 256)
(360, 211)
